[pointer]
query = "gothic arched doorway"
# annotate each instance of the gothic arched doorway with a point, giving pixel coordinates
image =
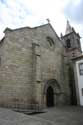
(50, 97)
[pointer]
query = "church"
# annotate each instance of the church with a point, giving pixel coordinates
(36, 69)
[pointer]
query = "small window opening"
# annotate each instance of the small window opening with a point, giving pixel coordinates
(78, 42)
(68, 43)
(50, 40)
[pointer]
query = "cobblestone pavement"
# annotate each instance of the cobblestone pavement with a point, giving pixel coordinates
(64, 116)
(52, 116)
(8, 117)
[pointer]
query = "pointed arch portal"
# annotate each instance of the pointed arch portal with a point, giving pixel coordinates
(52, 92)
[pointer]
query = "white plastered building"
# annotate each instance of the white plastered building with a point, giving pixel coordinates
(78, 72)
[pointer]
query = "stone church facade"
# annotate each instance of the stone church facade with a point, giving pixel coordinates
(34, 67)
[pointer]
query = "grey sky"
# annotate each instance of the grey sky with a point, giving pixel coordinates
(74, 11)
(20, 13)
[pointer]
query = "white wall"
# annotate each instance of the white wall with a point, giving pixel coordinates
(78, 82)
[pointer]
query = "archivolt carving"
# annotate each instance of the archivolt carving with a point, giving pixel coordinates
(54, 84)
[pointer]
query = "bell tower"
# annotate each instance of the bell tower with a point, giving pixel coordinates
(71, 41)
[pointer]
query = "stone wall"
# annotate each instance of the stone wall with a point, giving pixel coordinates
(51, 64)
(16, 67)
(28, 61)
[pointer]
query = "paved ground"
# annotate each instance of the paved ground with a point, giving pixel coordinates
(52, 116)
(64, 116)
(8, 117)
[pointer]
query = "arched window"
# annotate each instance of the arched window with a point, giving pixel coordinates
(68, 43)
(78, 42)
(50, 40)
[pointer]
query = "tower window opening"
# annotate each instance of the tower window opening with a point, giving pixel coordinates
(68, 43)
(78, 42)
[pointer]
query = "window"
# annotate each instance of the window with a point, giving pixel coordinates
(0, 60)
(50, 40)
(81, 68)
(78, 43)
(82, 91)
(68, 43)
